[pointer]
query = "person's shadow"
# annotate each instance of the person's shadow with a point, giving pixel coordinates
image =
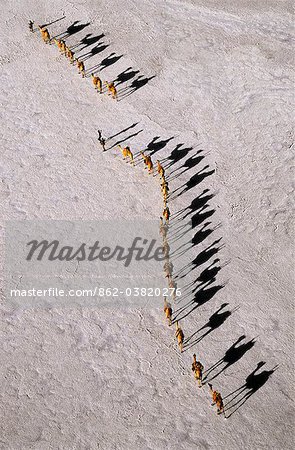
(232, 355)
(124, 130)
(252, 384)
(125, 139)
(45, 25)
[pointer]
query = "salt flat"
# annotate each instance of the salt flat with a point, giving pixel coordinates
(217, 102)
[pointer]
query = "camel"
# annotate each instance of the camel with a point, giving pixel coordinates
(97, 83)
(167, 311)
(81, 67)
(148, 162)
(166, 213)
(70, 55)
(165, 192)
(217, 399)
(166, 248)
(197, 368)
(160, 169)
(163, 228)
(44, 34)
(112, 90)
(127, 153)
(180, 336)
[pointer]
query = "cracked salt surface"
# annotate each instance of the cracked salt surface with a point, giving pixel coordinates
(89, 378)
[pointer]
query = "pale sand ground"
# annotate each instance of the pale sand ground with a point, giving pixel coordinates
(223, 83)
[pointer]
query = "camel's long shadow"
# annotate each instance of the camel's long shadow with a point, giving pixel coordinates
(111, 59)
(201, 297)
(197, 238)
(203, 214)
(203, 287)
(200, 259)
(87, 41)
(189, 164)
(192, 182)
(232, 355)
(72, 29)
(94, 51)
(156, 145)
(136, 84)
(252, 384)
(176, 155)
(153, 147)
(214, 322)
(196, 219)
(206, 277)
(125, 76)
(194, 206)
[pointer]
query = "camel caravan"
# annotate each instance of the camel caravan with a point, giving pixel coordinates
(128, 156)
